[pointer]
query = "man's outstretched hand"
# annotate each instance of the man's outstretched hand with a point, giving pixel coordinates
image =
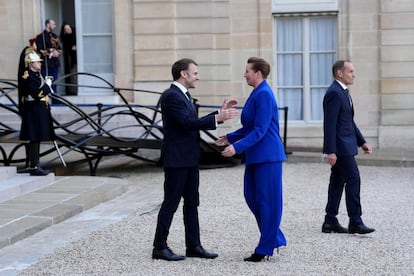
(227, 111)
(229, 104)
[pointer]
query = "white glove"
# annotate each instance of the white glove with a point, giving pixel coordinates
(48, 82)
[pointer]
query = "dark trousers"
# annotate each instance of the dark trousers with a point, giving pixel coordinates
(344, 173)
(33, 153)
(179, 182)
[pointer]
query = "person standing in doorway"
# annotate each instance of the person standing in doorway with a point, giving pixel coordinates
(180, 154)
(341, 141)
(68, 38)
(259, 143)
(47, 43)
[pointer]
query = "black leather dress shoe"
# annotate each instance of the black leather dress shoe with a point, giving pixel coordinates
(255, 257)
(39, 171)
(199, 252)
(359, 229)
(333, 228)
(166, 254)
(25, 170)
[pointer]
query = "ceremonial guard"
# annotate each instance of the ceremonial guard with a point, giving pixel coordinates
(37, 123)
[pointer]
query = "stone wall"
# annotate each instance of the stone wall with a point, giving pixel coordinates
(218, 35)
(396, 129)
(377, 35)
(19, 21)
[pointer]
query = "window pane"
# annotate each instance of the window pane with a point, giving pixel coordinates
(289, 70)
(322, 46)
(316, 103)
(98, 59)
(323, 34)
(292, 98)
(289, 35)
(97, 16)
(289, 65)
(321, 69)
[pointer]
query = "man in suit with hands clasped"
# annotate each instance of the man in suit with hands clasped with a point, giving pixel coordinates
(180, 152)
(341, 141)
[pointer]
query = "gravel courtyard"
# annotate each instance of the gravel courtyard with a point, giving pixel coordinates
(228, 228)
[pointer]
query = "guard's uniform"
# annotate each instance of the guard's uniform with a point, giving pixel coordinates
(37, 123)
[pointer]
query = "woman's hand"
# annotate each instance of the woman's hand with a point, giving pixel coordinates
(229, 151)
(222, 141)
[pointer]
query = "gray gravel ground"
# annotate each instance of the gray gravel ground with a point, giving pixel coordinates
(228, 228)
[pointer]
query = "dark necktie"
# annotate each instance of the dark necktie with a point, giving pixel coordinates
(349, 97)
(191, 101)
(188, 95)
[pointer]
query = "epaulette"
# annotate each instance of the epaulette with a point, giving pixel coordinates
(25, 74)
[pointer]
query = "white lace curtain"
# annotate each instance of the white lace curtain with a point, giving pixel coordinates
(306, 50)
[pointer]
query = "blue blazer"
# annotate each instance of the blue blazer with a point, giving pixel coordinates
(258, 140)
(181, 143)
(341, 134)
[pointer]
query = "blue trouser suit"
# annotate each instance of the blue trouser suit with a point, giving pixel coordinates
(263, 194)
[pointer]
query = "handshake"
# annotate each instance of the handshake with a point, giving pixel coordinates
(227, 111)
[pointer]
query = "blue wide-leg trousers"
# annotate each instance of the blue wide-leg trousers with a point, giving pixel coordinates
(263, 194)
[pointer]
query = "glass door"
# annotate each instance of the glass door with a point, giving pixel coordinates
(94, 20)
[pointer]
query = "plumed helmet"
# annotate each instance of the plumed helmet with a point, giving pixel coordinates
(31, 57)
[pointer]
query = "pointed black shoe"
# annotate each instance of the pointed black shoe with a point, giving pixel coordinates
(166, 254)
(333, 228)
(39, 171)
(255, 257)
(199, 252)
(359, 229)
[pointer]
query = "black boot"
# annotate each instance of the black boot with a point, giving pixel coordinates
(33, 155)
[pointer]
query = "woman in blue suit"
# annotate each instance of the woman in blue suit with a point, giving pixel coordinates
(259, 143)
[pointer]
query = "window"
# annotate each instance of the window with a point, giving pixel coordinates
(305, 52)
(94, 37)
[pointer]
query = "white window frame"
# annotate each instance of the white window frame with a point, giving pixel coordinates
(305, 67)
(282, 6)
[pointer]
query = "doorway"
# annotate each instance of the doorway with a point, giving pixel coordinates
(92, 21)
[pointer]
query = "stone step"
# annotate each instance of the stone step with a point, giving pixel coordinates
(7, 172)
(37, 202)
(13, 185)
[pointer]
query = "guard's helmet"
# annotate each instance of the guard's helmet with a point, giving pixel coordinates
(31, 57)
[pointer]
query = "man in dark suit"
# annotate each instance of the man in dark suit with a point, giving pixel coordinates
(180, 152)
(341, 141)
(47, 43)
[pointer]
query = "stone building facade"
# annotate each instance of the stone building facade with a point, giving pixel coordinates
(148, 36)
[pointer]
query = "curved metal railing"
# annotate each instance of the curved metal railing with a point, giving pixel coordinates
(96, 131)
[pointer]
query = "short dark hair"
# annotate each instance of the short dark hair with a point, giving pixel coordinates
(259, 64)
(47, 21)
(181, 65)
(339, 65)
